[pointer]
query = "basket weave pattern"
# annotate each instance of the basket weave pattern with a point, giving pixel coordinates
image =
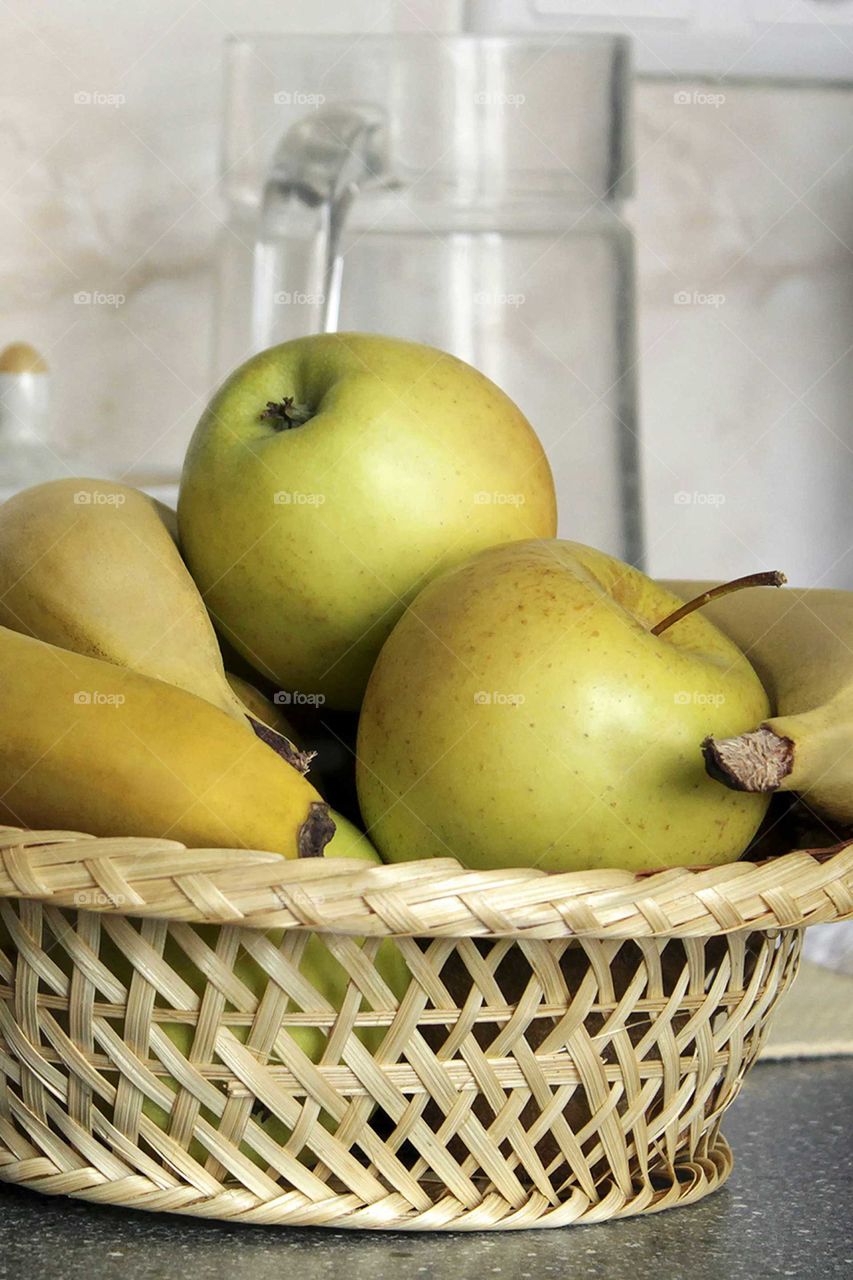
(563, 1052)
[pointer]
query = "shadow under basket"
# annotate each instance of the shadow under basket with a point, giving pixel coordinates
(421, 1047)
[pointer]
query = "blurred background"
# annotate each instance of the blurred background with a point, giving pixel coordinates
(707, 313)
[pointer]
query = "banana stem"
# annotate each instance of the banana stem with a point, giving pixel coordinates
(301, 760)
(757, 761)
(772, 578)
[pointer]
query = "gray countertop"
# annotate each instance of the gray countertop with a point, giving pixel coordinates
(787, 1210)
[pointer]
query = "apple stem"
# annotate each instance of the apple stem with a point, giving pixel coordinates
(286, 413)
(772, 578)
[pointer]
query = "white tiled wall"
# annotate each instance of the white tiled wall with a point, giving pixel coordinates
(745, 206)
(744, 222)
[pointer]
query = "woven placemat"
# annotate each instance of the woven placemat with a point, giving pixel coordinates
(815, 1018)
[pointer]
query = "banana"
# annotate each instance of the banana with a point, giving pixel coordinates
(90, 746)
(92, 566)
(259, 705)
(800, 642)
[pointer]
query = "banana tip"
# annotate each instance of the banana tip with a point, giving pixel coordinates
(316, 831)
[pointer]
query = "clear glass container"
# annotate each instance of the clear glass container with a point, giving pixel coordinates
(461, 191)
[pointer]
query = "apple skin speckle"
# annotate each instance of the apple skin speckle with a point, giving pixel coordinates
(308, 543)
(605, 767)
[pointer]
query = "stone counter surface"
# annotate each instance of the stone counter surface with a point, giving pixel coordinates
(786, 1211)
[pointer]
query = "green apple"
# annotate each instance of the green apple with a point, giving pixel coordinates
(317, 964)
(522, 713)
(329, 479)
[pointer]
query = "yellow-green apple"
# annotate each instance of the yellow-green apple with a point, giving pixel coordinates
(523, 713)
(329, 479)
(316, 965)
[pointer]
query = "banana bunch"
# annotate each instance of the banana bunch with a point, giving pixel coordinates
(801, 645)
(92, 566)
(116, 715)
(118, 718)
(92, 746)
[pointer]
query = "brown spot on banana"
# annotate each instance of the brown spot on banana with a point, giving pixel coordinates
(316, 831)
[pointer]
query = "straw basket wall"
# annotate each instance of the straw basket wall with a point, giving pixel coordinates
(561, 1048)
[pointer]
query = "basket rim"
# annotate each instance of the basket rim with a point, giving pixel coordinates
(141, 876)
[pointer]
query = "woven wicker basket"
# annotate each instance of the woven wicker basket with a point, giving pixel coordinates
(563, 1052)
